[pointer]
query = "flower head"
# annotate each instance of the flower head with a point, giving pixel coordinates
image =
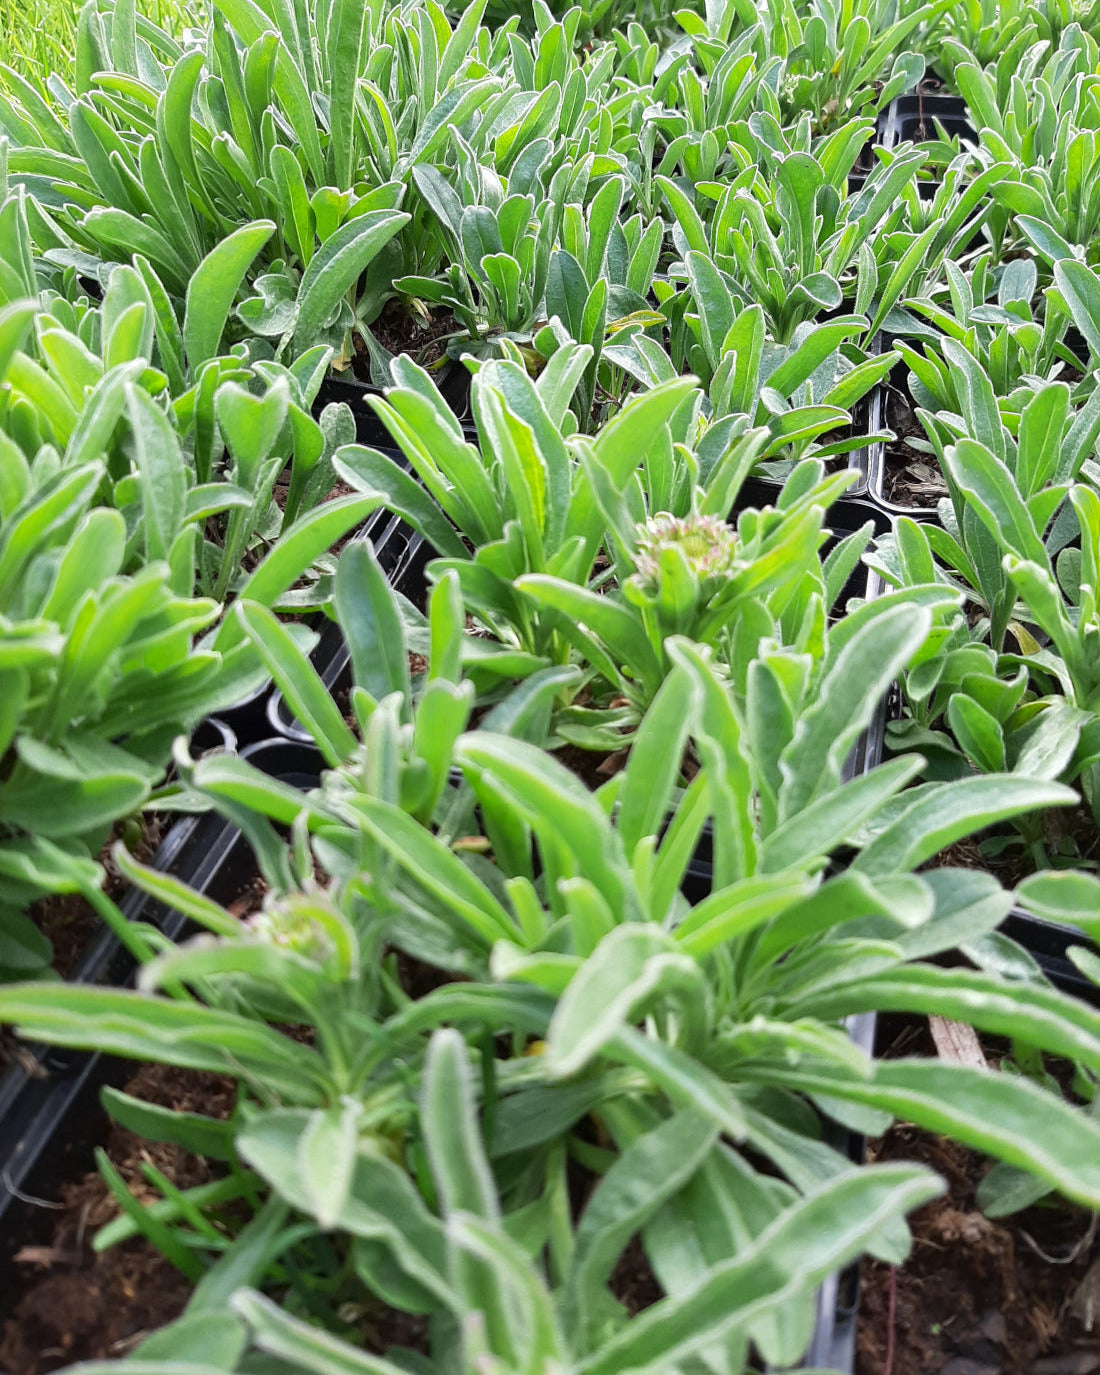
(707, 543)
(293, 925)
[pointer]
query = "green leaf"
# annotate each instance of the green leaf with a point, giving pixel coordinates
(1080, 287)
(734, 911)
(369, 616)
(303, 1346)
(632, 967)
(119, 1022)
(346, 19)
(991, 1112)
(337, 265)
(215, 1337)
(436, 867)
(295, 551)
(1064, 895)
(60, 807)
(617, 626)
(213, 288)
(205, 1136)
(816, 830)
(161, 470)
(945, 814)
(862, 671)
(451, 1134)
(326, 1158)
(991, 490)
(299, 682)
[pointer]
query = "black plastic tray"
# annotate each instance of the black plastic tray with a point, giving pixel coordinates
(833, 1344)
(913, 118)
(50, 1116)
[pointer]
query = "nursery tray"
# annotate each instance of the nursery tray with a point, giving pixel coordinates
(50, 1115)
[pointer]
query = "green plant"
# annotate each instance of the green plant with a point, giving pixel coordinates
(998, 37)
(1016, 351)
(523, 534)
(191, 171)
(783, 236)
(662, 1017)
(801, 391)
(836, 60)
(524, 503)
(470, 1267)
(490, 1306)
(1014, 542)
(108, 527)
(694, 574)
(599, 940)
(1035, 118)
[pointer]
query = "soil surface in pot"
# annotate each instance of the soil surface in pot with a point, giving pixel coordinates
(402, 331)
(73, 1304)
(1070, 837)
(910, 477)
(68, 921)
(979, 1296)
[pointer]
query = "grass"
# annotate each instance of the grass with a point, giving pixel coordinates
(38, 37)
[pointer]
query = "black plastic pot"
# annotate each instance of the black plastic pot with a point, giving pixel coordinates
(913, 118)
(453, 384)
(876, 469)
(246, 719)
(369, 430)
(289, 761)
(211, 736)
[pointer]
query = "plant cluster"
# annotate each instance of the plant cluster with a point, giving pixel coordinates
(557, 959)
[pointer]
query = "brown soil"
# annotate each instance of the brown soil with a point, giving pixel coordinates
(281, 490)
(633, 1282)
(68, 921)
(1068, 834)
(910, 477)
(401, 331)
(73, 1304)
(975, 1296)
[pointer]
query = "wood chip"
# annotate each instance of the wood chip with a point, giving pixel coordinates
(44, 1255)
(957, 1041)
